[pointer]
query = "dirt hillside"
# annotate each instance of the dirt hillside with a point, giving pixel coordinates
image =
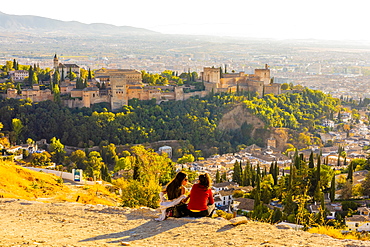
(30, 223)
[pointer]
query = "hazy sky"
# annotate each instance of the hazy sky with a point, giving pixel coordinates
(319, 19)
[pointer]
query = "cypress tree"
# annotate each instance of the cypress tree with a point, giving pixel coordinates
(218, 179)
(276, 173)
(70, 73)
(311, 161)
(257, 196)
(290, 178)
(30, 75)
(271, 171)
(223, 177)
(318, 167)
(264, 173)
(247, 172)
(245, 181)
(350, 172)
(317, 193)
(318, 171)
(332, 189)
(89, 75)
(339, 155)
(19, 90)
(105, 174)
(253, 177)
(236, 174)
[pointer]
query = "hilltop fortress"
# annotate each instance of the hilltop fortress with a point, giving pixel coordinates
(117, 86)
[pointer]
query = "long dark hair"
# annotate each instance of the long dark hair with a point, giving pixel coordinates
(173, 189)
(205, 180)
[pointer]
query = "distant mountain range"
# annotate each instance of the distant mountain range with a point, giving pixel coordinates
(37, 24)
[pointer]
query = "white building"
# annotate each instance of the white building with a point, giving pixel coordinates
(359, 222)
(19, 75)
(167, 150)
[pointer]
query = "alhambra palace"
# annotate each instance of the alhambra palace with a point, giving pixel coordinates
(122, 85)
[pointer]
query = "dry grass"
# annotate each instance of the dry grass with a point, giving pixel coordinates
(337, 233)
(21, 183)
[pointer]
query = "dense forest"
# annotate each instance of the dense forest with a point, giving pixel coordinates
(194, 120)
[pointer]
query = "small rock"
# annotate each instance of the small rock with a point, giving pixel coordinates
(283, 227)
(239, 220)
(125, 243)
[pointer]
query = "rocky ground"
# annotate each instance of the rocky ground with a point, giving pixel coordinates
(30, 223)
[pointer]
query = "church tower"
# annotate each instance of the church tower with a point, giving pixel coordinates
(56, 62)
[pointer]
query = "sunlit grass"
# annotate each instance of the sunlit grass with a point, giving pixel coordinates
(337, 233)
(21, 183)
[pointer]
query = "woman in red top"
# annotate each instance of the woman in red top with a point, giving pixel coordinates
(201, 198)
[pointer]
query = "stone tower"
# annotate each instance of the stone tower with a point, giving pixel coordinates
(56, 62)
(211, 79)
(263, 74)
(118, 92)
(211, 75)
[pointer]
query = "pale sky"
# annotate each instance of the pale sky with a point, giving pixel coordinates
(318, 19)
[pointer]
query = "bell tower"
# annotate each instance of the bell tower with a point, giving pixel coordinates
(56, 62)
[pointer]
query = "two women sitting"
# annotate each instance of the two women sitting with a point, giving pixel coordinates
(201, 202)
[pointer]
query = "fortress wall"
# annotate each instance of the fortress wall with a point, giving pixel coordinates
(73, 103)
(253, 86)
(193, 94)
(273, 88)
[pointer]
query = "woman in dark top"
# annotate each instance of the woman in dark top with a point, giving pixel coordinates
(201, 198)
(175, 189)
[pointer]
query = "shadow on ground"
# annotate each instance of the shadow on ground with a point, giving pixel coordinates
(135, 233)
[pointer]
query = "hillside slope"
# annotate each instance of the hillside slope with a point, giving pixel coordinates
(21, 183)
(71, 224)
(29, 23)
